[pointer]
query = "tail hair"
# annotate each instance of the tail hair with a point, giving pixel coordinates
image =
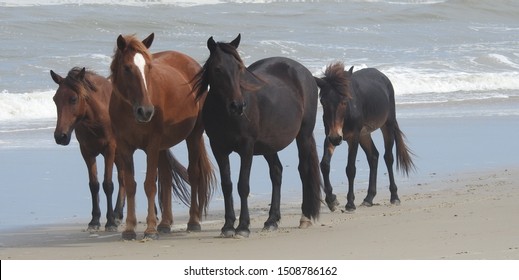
(404, 161)
(175, 175)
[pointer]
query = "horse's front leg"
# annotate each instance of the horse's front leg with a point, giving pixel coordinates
(331, 198)
(222, 159)
(244, 191)
(165, 177)
(121, 196)
(108, 187)
(351, 170)
(150, 188)
(93, 184)
(128, 172)
(276, 171)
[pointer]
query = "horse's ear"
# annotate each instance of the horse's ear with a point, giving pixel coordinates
(121, 43)
(320, 82)
(211, 44)
(57, 78)
(236, 42)
(350, 72)
(147, 42)
(81, 74)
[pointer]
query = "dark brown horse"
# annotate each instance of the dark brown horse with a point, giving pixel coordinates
(154, 108)
(354, 105)
(259, 110)
(82, 100)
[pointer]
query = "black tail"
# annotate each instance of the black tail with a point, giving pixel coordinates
(174, 174)
(311, 177)
(404, 161)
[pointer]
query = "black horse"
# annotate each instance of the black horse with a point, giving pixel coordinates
(354, 105)
(259, 110)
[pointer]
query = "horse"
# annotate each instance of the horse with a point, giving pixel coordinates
(154, 108)
(259, 110)
(82, 100)
(354, 105)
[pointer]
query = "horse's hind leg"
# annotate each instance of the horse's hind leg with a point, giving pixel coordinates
(372, 156)
(331, 198)
(276, 171)
(388, 133)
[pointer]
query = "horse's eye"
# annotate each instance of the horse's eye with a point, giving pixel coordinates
(73, 100)
(127, 68)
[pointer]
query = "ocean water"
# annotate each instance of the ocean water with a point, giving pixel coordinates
(447, 59)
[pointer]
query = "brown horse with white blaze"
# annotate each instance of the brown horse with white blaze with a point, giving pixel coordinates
(354, 105)
(154, 108)
(82, 100)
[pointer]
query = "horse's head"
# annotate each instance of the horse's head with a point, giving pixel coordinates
(70, 100)
(130, 69)
(335, 95)
(223, 73)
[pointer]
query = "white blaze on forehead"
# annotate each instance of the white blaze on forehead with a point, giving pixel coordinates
(140, 62)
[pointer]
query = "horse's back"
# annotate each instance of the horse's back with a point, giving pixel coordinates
(180, 61)
(282, 72)
(374, 95)
(371, 82)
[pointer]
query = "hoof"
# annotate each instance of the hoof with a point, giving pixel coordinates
(332, 202)
(305, 222)
(93, 228)
(242, 233)
(151, 236)
(350, 207)
(194, 227)
(395, 202)
(333, 205)
(164, 229)
(270, 227)
(129, 235)
(228, 233)
(367, 204)
(111, 228)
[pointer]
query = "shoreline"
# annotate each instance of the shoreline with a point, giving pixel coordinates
(459, 217)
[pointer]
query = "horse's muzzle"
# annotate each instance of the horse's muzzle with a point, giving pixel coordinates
(335, 140)
(144, 114)
(62, 138)
(236, 108)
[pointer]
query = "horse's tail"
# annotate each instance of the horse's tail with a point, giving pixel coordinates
(404, 161)
(207, 180)
(173, 173)
(312, 184)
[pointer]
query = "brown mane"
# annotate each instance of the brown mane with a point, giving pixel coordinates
(338, 78)
(133, 45)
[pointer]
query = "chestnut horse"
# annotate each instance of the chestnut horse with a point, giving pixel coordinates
(82, 100)
(354, 105)
(153, 109)
(259, 110)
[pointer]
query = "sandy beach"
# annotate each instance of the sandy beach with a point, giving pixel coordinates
(470, 216)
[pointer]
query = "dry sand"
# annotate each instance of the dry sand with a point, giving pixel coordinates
(467, 216)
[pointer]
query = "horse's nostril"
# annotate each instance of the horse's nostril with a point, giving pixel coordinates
(144, 114)
(236, 108)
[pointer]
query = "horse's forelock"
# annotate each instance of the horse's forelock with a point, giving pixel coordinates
(337, 78)
(201, 79)
(133, 45)
(82, 87)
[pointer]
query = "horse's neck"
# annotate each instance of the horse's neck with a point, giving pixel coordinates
(97, 110)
